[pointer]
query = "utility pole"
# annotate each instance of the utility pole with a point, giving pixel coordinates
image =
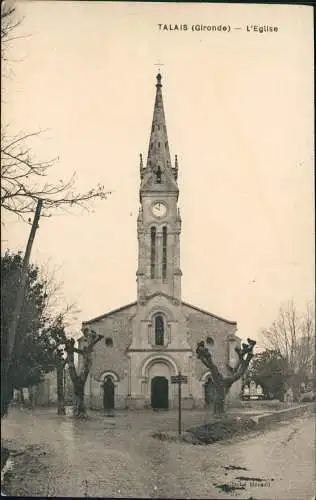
(7, 355)
(21, 290)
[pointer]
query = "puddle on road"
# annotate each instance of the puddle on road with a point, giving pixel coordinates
(254, 479)
(234, 467)
(229, 488)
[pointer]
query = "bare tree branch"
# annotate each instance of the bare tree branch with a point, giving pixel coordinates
(8, 20)
(293, 336)
(24, 180)
(20, 187)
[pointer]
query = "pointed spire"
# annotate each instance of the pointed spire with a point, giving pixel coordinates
(158, 173)
(158, 151)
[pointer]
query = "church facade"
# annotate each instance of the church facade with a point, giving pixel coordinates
(148, 341)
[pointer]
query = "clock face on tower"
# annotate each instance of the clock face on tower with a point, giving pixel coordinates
(159, 209)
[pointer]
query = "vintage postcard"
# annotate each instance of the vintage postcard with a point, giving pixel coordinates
(157, 264)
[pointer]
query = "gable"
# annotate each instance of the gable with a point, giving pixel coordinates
(168, 183)
(194, 309)
(127, 309)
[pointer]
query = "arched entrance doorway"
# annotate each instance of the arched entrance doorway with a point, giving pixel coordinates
(108, 393)
(209, 392)
(160, 393)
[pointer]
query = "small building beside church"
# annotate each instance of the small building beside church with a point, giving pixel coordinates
(150, 340)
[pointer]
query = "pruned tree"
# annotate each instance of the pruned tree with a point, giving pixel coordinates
(222, 383)
(292, 336)
(62, 351)
(55, 338)
(80, 374)
(56, 331)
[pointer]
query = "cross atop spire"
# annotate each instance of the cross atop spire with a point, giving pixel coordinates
(159, 64)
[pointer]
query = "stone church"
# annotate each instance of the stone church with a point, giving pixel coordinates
(148, 341)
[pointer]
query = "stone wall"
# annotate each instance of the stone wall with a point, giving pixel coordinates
(129, 327)
(111, 359)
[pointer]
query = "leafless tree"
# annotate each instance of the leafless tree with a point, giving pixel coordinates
(63, 350)
(9, 21)
(292, 335)
(80, 374)
(53, 288)
(222, 383)
(25, 180)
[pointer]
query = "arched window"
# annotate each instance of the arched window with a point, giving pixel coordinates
(164, 252)
(159, 330)
(109, 342)
(153, 252)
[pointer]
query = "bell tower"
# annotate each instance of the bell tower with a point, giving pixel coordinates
(159, 222)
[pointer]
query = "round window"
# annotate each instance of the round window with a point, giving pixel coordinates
(209, 341)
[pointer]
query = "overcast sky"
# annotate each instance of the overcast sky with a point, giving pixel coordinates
(239, 111)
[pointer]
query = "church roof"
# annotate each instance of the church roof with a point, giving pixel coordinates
(158, 175)
(102, 316)
(230, 322)
(131, 304)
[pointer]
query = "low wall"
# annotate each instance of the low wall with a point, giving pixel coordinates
(285, 414)
(269, 405)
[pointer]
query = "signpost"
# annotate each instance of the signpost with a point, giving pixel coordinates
(179, 379)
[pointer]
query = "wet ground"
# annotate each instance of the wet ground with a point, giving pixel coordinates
(117, 457)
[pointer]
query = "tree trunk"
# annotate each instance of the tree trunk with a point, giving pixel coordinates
(31, 397)
(60, 389)
(219, 400)
(21, 397)
(79, 380)
(79, 407)
(6, 389)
